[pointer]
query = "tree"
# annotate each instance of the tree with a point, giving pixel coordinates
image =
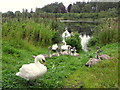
(75, 9)
(17, 14)
(69, 8)
(4, 14)
(10, 14)
(81, 5)
(31, 10)
(61, 8)
(51, 8)
(87, 8)
(54, 8)
(25, 14)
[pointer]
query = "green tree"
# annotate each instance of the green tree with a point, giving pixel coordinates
(51, 8)
(10, 14)
(61, 8)
(69, 8)
(87, 8)
(75, 9)
(18, 14)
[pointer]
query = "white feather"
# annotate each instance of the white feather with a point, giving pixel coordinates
(33, 70)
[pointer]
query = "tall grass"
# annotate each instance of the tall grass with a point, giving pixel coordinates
(109, 32)
(106, 33)
(29, 30)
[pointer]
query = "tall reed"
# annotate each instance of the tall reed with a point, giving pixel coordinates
(29, 30)
(107, 32)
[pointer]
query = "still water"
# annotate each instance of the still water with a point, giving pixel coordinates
(84, 29)
(84, 39)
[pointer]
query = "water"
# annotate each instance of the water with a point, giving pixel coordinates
(84, 41)
(84, 29)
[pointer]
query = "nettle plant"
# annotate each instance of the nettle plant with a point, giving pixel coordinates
(75, 41)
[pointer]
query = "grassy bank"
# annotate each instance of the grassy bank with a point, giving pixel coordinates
(24, 38)
(63, 71)
(102, 75)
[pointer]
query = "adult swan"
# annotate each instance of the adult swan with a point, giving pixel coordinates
(34, 70)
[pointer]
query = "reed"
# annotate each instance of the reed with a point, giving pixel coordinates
(29, 30)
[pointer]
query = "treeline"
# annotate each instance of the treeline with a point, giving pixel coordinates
(82, 7)
(54, 10)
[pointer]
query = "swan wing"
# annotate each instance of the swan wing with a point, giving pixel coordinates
(29, 71)
(64, 47)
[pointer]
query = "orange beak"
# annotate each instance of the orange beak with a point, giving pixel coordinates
(43, 62)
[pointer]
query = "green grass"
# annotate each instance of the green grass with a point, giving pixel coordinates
(63, 71)
(102, 75)
(39, 33)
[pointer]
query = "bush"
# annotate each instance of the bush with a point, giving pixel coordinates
(107, 32)
(93, 41)
(75, 41)
(37, 33)
(57, 37)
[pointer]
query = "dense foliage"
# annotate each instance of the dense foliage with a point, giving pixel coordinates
(29, 30)
(63, 71)
(30, 33)
(75, 41)
(107, 32)
(78, 7)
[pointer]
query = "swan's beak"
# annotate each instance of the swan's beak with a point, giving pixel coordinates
(33, 56)
(43, 62)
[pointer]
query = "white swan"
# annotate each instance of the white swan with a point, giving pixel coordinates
(75, 53)
(54, 47)
(66, 52)
(33, 70)
(84, 41)
(64, 47)
(66, 34)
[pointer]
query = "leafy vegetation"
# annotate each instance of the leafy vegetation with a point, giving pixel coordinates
(76, 11)
(36, 33)
(101, 75)
(75, 41)
(30, 33)
(63, 71)
(106, 33)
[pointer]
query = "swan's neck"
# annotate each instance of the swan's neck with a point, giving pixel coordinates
(37, 61)
(65, 43)
(69, 52)
(49, 54)
(75, 52)
(57, 52)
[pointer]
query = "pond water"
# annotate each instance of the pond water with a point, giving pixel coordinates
(84, 29)
(84, 41)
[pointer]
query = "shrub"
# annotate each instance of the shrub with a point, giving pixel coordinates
(37, 33)
(93, 41)
(75, 41)
(107, 32)
(57, 38)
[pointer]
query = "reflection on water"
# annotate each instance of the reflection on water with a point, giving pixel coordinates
(85, 29)
(84, 40)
